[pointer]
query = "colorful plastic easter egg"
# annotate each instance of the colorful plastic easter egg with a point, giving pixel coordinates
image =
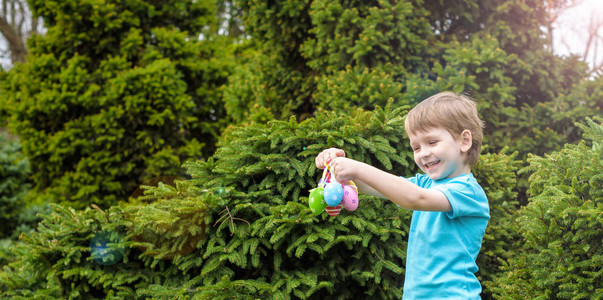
(333, 193)
(316, 201)
(349, 200)
(333, 211)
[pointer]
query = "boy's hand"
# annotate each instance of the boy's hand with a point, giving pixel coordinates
(345, 169)
(327, 155)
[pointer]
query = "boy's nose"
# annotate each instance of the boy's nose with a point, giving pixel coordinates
(425, 153)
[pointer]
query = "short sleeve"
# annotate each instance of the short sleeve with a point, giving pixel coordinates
(421, 180)
(466, 198)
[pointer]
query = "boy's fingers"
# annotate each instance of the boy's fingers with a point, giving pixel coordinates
(334, 153)
(328, 155)
(335, 168)
(317, 161)
(321, 159)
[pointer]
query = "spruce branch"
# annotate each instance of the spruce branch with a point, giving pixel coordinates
(101, 211)
(226, 215)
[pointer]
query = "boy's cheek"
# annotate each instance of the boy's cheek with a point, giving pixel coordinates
(418, 162)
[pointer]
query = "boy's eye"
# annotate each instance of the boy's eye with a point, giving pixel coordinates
(433, 142)
(416, 148)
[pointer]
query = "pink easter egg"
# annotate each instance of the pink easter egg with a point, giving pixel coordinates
(333, 210)
(349, 200)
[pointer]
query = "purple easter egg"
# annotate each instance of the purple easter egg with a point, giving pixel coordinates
(349, 200)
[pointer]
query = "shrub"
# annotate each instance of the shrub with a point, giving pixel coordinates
(115, 94)
(561, 255)
(241, 225)
(14, 183)
(496, 173)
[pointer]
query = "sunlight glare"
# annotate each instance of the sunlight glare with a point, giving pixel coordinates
(571, 30)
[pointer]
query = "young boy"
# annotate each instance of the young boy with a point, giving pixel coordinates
(450, 208)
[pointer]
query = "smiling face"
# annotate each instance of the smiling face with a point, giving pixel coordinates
(453, 112)
(439, 154)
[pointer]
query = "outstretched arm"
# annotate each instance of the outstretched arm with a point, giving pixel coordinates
(373, 181)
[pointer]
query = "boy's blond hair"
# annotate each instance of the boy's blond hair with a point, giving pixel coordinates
(453, 112)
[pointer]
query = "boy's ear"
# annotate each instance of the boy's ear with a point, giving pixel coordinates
(466, 140)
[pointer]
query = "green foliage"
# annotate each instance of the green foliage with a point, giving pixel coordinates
(17, 213)
(547, 125)
(535, 72)
(14, 184)
(365, 34)
(356, 87)
(265, 172)
(6, 251)
(54, 262)
(277, 77)
(561, 256)
(241, 225)
(305, 46)
(527, 80)
(115, 93)
(475, 66)
(496, 173)
(495, 52)
(243, 85)
(338, 55)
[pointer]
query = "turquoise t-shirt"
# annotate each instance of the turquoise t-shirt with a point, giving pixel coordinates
(443, 246)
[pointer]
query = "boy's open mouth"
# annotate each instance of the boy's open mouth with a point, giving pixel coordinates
(431, 164)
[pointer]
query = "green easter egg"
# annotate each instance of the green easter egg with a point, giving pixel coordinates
(316, 201)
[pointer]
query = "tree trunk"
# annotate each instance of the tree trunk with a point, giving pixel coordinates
(18, 51)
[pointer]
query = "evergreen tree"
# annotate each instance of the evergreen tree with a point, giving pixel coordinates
(496, 51)
(241, 225)
(496, 173)
(561, 256)
(328, 54)
(341, 54)
(542, 128)
(14, 169)
(17, 213)
(115, 93)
